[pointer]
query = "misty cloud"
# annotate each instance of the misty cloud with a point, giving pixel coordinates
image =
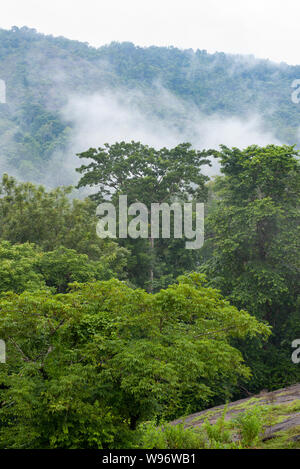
(155, 118)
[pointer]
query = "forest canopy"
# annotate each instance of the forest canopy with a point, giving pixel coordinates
(96, 347)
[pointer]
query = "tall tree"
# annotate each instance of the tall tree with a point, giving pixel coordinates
(253, 251)
(84, 368)
(147, 175)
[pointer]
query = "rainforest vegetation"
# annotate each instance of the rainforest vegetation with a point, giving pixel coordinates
(41, 72)
(96, 345)
(109, 339)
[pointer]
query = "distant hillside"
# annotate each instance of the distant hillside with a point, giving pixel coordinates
(41, 72)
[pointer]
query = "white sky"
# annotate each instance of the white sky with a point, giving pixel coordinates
(265, 28)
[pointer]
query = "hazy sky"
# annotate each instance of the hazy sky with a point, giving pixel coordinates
(265, 28)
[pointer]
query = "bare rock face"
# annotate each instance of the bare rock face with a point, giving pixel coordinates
(282, 399)
(291, 422)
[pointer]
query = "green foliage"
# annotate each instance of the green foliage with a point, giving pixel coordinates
(243, 431)
(148, 176)
(27, 267)
(218, 436)
(140, 172)
(18, 270)
(54, 222)
(29, 213)
(40, 70)
(253, 254)
(84, 368)
(250, 426)
(65, 229)
(170, 437)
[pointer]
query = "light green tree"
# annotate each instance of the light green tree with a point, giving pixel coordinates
(84, 368)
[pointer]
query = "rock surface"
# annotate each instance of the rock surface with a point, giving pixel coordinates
(280, 399)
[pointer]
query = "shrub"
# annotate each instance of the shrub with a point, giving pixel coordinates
(250, 426)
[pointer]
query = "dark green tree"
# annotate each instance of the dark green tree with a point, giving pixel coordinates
(147, 175)
(252, 252)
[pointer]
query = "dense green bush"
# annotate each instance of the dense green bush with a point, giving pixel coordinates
(85, 368)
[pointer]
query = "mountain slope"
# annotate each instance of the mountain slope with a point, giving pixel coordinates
(41, 72)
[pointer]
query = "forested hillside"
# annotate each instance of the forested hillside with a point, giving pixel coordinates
(41, 72)
(104, 340)
(96, 361)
